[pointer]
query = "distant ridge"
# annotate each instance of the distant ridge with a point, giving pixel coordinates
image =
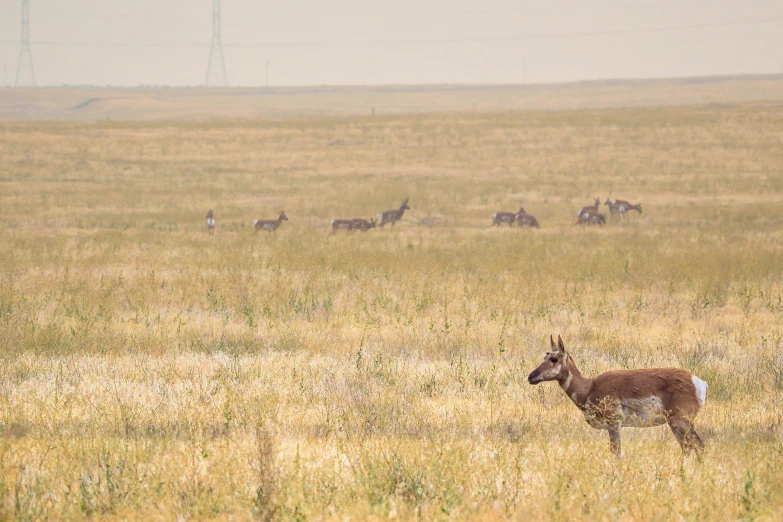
(184, 103)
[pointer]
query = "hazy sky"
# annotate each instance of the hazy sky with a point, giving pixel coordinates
(310, 42)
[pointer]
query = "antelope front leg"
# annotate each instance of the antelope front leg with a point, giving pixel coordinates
(614, 440)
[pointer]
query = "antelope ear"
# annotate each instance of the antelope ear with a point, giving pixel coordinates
(552, 342)
(560, 345)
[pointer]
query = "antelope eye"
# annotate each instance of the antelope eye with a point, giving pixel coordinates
(553, 360)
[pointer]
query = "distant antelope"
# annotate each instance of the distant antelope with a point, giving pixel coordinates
(498, 218)
(363, 224)
(210, 222)
(629, 398)
(270, 225)
(523, 218)
(591, 218)
(342, 224)
(620, 207)
(392, 216)
(591, 208)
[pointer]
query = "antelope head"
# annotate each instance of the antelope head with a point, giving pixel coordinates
(209, 214)
(555, 365)
(373, 222)
(597, 201)
(283, 217)
(404, 205)
(521, 210)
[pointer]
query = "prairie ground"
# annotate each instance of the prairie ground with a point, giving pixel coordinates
(150, 371)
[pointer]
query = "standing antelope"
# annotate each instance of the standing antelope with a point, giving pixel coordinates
(363, 224)
(342, 224)
(392, 216)
(523, 218)
(591, 218)
(632, 398)
(620, 207)
(270, 225)
(590, 208)
(498, 218)
(210, 222)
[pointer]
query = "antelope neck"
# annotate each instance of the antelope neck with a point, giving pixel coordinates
(575, 385)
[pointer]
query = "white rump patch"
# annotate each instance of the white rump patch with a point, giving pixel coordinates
(701, 389)
(255, 222)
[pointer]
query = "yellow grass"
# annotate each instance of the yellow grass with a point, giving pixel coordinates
(149, 371)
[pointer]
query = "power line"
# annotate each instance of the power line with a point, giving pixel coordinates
(488, 39)
(25, 72)
(216, 67)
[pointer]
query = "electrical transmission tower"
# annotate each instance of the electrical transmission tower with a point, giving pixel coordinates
(216, 68)
(25, 72)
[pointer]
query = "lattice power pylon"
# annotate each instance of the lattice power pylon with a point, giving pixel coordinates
(216, 68)
(25, 72)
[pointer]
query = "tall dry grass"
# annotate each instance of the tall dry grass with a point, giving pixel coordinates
(151, 371)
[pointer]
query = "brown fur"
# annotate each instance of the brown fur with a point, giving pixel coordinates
(591, 208)
(270, 225)
(392, 216)
(499, 218)
(610, 399)
(342, 224)
(363, 224)
(620, 207)
(523, 218)
(591, 218)
(210, 226)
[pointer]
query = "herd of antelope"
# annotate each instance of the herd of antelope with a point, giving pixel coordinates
(271, 225)
(613, 400)
(588, 215)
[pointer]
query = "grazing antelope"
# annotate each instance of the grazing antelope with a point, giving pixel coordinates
(363, 224)
(342, 224)
(270, 225)
(523, 218)
(591, 218)
(498, 218)
(620, 207)
(590, 208)
(392, 216)
(630, 398)
(210, 222)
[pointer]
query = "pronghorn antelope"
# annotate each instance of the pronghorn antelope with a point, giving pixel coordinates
(620, 207)
(342, 224)
(590, 208)
(210, 222)
(270, 225)
(631, 398)
(392, 216)
(363, 224)
(523, 218)
(498, 218)
(591, 218)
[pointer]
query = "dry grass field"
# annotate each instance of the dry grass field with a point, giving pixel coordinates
(149, 371)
